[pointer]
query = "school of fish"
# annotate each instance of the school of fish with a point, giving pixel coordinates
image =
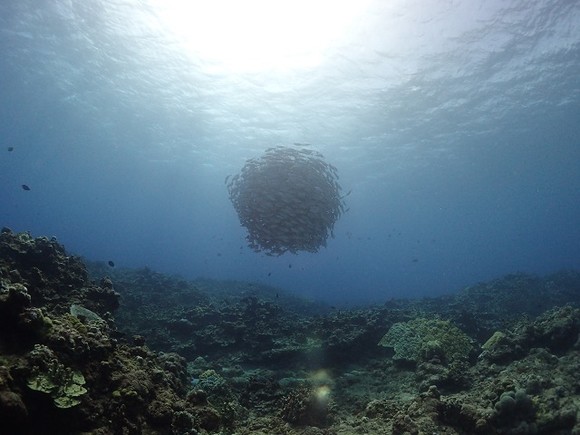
(288, 200)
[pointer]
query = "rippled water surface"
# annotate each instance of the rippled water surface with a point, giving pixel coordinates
(454, 123)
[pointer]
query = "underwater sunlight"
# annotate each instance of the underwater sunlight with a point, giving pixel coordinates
(258, 35)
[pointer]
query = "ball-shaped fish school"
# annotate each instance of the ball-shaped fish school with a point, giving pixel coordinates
(288, 199)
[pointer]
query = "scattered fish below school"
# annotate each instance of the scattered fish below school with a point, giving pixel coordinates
(288, 200)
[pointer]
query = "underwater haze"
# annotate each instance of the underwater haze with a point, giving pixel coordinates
(454, 124)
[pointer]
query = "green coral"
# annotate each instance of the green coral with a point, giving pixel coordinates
(422, 339)
(64, 384)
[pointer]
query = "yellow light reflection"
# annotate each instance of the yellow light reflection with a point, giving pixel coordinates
(322, 381)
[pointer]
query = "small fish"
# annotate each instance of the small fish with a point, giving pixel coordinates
(269, 273)
(25, 187)
(348, 193)
(110, 263)
(10, 149)
(289, 266)
(415, 260)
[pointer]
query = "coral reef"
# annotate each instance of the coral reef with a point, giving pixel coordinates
(424, 339)
(63, 366)
(137, 352)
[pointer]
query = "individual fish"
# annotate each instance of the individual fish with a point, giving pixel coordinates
(111, 264)
(25, 187)
(10, 149)
(347, 193)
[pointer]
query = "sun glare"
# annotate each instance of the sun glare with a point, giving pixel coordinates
(257, 35)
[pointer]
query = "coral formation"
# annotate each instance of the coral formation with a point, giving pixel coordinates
(424, 339)
(49, 376)
(306, 406)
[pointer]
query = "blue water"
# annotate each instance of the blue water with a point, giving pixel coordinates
(456, 124)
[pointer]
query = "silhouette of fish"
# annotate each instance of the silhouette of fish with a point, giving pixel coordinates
(110, 263)
(25, 187)
(10, 149)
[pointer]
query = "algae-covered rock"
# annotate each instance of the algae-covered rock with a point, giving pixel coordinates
(81, 312)
(221, 396)
(424, 339)
(307, 405)
(494, 340)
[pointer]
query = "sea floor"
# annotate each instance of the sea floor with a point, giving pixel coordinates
(86, 348)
